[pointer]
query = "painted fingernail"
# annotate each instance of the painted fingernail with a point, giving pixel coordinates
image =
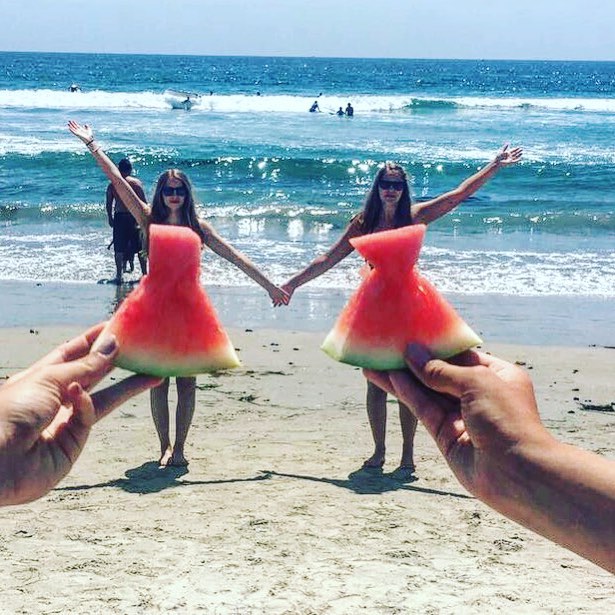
(107, 345)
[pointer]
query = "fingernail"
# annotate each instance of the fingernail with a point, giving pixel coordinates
(417, 354)
(107, 345)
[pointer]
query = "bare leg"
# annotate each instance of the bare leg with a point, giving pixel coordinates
(408, 423)
(159, 401)
(376, 402)
(186, 392)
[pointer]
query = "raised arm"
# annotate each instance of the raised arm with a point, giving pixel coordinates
(428, 211)
(137, 207)
(229, 253)
(338, 251)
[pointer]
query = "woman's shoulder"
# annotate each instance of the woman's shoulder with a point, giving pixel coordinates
(356, 223)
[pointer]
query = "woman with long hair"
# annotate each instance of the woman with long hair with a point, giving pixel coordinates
(173, 203)
(388, 205)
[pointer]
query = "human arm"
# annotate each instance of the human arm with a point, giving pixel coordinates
(428, 211)
(482, 413)
(46, 413)
(336, 253)
(109, 198)
(229, 253)
(137, 207)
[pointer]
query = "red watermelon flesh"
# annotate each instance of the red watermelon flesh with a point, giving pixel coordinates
(167, 326)
(395, 305)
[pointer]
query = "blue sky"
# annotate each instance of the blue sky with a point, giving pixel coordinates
(490, 29)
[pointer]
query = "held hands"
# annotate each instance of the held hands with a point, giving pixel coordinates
(288, 291)
(278, 296)
(480, 410)
(506, 157)
(81, 132)
(46, 413)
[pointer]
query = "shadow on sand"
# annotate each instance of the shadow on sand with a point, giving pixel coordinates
(369, 482)
(151, 478)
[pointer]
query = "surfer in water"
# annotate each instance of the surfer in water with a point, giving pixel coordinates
(387, 206)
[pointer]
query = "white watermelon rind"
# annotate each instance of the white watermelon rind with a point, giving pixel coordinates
(147, 364)
(340, 348)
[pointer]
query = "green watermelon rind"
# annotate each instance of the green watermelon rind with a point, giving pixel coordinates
(384, 359)
(150, 366)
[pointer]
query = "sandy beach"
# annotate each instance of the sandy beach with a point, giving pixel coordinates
(272, 515)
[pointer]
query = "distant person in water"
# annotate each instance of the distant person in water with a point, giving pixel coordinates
(388, 206)
(349, 110)
(74, 87)
(173, 203)
(340, 112)
(126, 233)
(314, 108)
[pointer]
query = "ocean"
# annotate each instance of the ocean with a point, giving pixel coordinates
(281, 183)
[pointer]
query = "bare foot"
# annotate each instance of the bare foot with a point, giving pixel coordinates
(376, 461)
(404, 473)
(177, 460)
(167, 455)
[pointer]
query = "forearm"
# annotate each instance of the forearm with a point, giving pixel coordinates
(565, 494)
(427, 212)
(221, 248)
(316, 268)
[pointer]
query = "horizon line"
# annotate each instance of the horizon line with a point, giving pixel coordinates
(303, 57)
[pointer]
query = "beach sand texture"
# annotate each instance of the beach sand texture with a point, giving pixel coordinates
(270, 518)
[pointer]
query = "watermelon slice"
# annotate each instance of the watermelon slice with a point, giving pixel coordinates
(167, 326)
(395, 305)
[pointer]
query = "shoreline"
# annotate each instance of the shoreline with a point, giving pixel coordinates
(548, 321)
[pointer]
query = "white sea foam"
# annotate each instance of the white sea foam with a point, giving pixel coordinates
(287, 103)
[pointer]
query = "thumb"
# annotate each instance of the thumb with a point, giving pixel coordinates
(436, 374)
(93, 367)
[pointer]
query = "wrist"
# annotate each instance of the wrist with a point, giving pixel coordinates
(92, 145)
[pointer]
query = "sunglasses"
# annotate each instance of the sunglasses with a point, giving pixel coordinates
(177, 191)
(391, 184)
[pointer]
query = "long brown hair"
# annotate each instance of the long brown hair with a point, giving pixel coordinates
(160, 212)
(372, 207)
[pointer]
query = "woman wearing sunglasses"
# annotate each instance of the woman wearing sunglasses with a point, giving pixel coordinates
(173, 203)
(387, 206)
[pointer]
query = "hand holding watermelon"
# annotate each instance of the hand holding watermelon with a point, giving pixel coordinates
(46, 413)
(482, 413)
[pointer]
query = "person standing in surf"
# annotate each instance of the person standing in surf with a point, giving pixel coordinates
(388, 205)
(126, 234)
(173, 203)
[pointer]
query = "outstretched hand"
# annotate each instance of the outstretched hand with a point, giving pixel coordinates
(46, 413)
(478, 409)
(507, 157)
(81, 132)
